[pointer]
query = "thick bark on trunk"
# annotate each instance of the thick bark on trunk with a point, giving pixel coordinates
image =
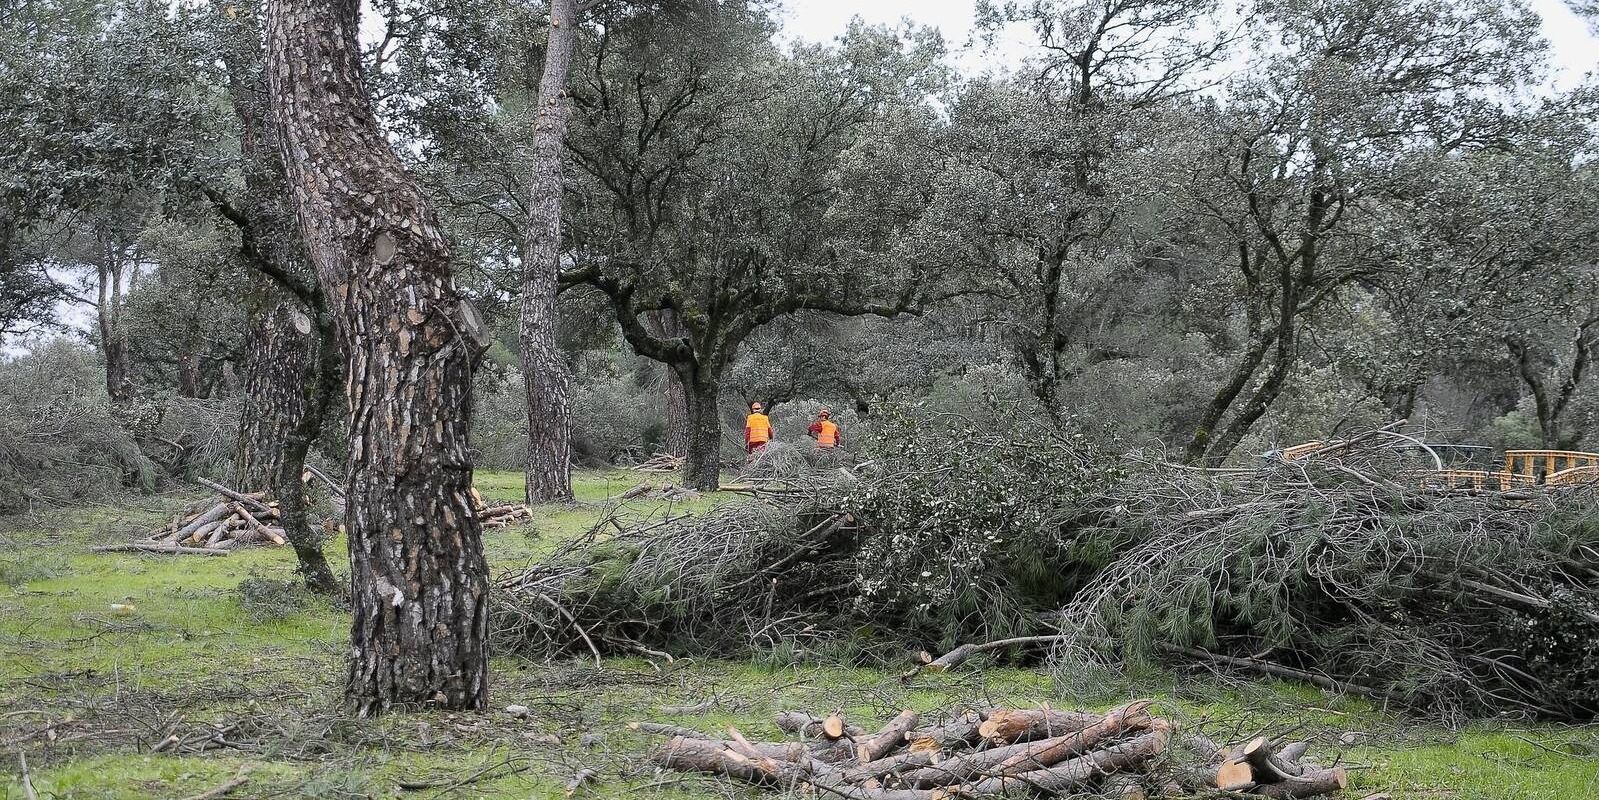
(188, 374)
(702, 463)
(288, 380)
(279, 375)
(549, 449)
(419, 579)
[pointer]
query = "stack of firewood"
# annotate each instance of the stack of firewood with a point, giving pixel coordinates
(663, 462)
(214, 526)
(500, 515)
(1002, 752)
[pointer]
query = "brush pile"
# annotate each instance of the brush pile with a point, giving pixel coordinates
(1127, 753)
(1028, 545)
(214, 526)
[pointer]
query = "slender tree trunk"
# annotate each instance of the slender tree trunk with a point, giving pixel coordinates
(549, 448)
(419, 580)
(291, 366)
(1199, 444)
(702, 460)
(113, 339)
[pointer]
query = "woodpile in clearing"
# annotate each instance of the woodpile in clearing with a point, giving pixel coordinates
(500, 515)
(662, 462)
(214, 526)
(1126, 753)
(645, 491)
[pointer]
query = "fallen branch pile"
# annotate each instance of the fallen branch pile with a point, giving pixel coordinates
(1126, 753)
(1326, 570)
(214, 526)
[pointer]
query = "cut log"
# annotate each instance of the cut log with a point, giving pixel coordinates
(959, 732)
(1266, 765)
(668, 730)
(1078, 773)
(800, 723)
(1048, 752)
(1310, 784)
(1006, 726)
(1293, 751)
(216, 512)
(1233, 775)
(157, 547)
(581, 779)
(956, 657)
(956, 768)
(1123, 787)
(252, 500)
(888, 765)
(256, 524)
(716, 758)
(884, 741)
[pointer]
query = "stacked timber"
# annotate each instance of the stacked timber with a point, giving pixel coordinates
(214, 526)
(500, 515)
(1122, 753)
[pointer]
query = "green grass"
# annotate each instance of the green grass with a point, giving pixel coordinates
(108, 687)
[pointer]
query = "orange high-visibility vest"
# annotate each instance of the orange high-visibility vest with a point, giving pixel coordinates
(757, 429)
(828, 435)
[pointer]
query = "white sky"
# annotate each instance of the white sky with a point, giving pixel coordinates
(1574, 48)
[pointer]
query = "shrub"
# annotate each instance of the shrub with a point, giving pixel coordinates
(59, 442)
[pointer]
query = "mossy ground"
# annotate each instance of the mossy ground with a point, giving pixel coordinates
(87, 693)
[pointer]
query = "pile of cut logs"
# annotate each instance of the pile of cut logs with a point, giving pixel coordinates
(1126, 753)
(664, 462)
(214, 526)
(500, 515)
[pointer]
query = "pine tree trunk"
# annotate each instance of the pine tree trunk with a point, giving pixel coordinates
(419, 579)
(549, 449)
(279, 371)
(285, 397)
(702, 462)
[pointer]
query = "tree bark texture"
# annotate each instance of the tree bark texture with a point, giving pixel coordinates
(291, 365)
(665, 325)
(419, 579)
(702, 462)
(549, 447)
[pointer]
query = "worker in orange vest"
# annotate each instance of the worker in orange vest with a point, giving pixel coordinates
(825, 431)
(757, 430)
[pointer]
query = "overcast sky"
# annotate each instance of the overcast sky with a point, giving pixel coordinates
(1575, 49)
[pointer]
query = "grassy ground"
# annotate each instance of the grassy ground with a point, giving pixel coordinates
(246, 673)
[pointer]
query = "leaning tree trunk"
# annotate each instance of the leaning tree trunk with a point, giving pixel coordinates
(419, 580)
(549, 448)
(291, 366)
(702, 460)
